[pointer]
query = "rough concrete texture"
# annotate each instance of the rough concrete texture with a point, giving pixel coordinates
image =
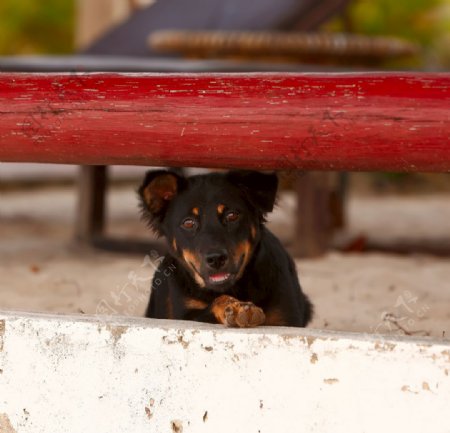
(82, 374)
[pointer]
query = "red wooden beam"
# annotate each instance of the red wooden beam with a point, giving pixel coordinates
(318, 121)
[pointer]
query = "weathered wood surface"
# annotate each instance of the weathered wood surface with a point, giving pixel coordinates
(317, 121)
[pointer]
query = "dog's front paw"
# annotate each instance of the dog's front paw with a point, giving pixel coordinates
(244, 315)
(234, 313)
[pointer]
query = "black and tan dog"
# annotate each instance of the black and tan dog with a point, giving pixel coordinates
(223, 266)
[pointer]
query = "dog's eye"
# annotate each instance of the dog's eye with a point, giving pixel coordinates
(231, 216)
(188, 223)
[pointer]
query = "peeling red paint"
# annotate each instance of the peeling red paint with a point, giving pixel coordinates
(370, 121)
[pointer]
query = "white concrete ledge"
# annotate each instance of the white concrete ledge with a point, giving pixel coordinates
(83, 374)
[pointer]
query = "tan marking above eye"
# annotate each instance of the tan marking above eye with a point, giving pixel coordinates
(174, 244)
(195, 211)
(220, 209)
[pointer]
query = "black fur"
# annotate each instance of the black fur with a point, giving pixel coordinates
(227, 241)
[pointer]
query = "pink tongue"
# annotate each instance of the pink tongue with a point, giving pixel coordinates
(219, 276)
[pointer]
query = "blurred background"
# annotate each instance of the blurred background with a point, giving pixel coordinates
(63, 26)
(373, 242)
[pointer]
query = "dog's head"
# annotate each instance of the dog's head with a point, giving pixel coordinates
(212, 222)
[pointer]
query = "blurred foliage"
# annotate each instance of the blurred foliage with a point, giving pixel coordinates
(426, 22)
(36, 26)
(47, 26)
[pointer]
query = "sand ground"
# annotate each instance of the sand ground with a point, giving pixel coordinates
(42, 269)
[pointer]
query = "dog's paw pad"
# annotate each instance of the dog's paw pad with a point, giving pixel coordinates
(234, 313)
(230, 315)
(248, 315)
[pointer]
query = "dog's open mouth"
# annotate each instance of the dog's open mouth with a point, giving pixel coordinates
(219, 278)
(224, 279)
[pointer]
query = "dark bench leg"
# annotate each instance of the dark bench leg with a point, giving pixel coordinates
(90, 222)
(315, 222)
(91, 216)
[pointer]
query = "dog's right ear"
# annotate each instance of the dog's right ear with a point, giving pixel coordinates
(156, 192)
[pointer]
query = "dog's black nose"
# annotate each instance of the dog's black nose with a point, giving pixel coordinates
(217, 259)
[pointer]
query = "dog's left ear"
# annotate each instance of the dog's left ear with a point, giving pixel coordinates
(156, 192)
(260, 188)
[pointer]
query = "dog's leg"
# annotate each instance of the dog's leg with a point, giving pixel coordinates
(234, 313)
